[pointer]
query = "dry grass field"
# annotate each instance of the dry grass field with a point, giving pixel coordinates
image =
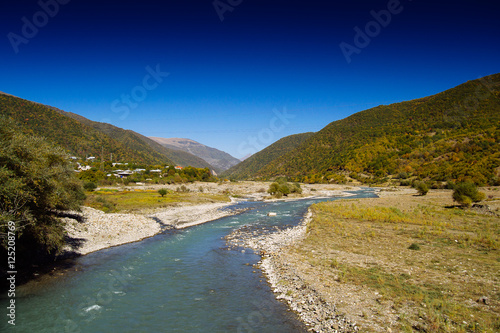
(139, 200)
(406, 263)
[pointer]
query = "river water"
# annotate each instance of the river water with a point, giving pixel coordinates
(182, 281)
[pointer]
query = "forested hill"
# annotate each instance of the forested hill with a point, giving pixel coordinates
(252, 165)
(83, 137)
(453, 135)
(140, 142)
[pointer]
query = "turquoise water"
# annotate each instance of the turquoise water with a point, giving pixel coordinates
(183, 281)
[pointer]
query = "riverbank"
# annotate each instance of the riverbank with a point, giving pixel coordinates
(313, 310)
(92, 230)
(142, 213)
(399, 262)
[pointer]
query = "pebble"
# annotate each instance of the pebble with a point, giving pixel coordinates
(313, 310)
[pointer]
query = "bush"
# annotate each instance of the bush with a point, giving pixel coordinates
(467, 193)
(295, 188)
(281, 188)
(414, 246)
(421, 187)
(450, 185)
(162, 192)
(403, 175)
(89, 186)
(182, 189)
(404, 183)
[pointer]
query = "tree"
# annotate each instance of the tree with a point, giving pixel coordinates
(284, 189)
(467, 193)
(273, 188)
(162, 192)
(36, 181)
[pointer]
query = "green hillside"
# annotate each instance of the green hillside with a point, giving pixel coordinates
(256, 162)
(77, 138)
(83, 137)
(453, 135)
(140, 142)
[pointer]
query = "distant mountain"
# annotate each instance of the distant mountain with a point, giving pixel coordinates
(218, 159)
(453, 135)
(83, 137)
(140, 142)
(253, 164)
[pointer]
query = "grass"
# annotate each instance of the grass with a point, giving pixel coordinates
(430, 263)
(112, 201)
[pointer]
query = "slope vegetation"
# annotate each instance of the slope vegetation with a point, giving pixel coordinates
(77, 138)
(140, 142)
(83, 137)
(256, 162)
(453, 135)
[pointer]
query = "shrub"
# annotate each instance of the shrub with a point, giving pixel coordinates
(182, 189)
(403, 175)
(414, 246)
(295, 188)
(450, 185)
(404, 183)
(421, 187)
(89, 186)
(467, 193)
(162, 192)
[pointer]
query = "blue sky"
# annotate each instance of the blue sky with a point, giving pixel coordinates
(267, 70)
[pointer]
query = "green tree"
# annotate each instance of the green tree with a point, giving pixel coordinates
(284, 189)
(273, 188)
(36, 181)
(467, 193)
(162, 192)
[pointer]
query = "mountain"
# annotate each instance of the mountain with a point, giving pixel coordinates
(253, 164)
(218, 159)
(83, 137)
(453, 135)
(138, 141)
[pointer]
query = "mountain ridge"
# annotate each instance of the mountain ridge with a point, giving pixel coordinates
(84, 137)
(220, 160)
(452, 135)
(137, 140)
(257, 161)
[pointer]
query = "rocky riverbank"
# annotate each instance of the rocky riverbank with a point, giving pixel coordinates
(314, 310)
(92, 230)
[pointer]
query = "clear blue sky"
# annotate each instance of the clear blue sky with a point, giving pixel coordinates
(227, 76)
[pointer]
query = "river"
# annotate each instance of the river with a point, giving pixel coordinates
(181, 281)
